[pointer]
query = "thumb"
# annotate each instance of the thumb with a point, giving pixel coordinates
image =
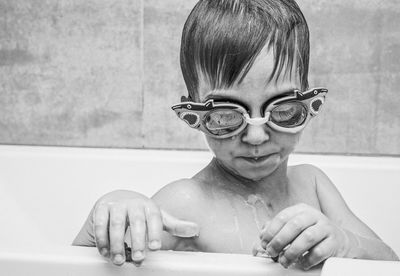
(177, 227)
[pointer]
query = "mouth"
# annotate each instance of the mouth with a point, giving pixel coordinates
(256, 159)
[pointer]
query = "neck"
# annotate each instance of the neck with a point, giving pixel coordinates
(271, 185)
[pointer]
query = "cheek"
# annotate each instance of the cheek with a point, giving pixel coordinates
(223, 148)
(288, 141)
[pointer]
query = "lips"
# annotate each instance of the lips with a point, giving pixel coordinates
(257, 159)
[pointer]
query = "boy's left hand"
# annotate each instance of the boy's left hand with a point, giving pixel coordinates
(304, 235)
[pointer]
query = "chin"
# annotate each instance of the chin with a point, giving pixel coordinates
(257, 171)
(256, 175)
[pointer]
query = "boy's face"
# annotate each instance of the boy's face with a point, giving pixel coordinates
(258, 150)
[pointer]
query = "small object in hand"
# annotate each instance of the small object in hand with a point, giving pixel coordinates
(261, 252)
(128, 253)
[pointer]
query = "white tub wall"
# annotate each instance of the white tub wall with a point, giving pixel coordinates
(46, 193)
(51, 190)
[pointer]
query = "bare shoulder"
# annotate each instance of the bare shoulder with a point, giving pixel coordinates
(303, 180)
(330, 200)
(312, 183)
(307, 174)
(183, 198)
(314, 177)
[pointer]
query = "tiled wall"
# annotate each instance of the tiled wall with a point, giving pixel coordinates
(103, 73)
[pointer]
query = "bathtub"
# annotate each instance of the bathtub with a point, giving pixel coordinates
(47, 192)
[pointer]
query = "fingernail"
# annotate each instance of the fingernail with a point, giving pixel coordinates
(270, 250)
(137, 264)
(254, 251)
(264, 244)
(265, 226)
(283, 261)
(118, 259)
(104, 252)
(137, 256)
(154, 245)
(304, 264)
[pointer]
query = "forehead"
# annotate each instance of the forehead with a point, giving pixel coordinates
(255, 86)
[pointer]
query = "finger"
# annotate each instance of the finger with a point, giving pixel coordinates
(154, 225)
(117, 233)
(280, 220)
(318, 253)
(289, 232)
(257, 250)
(307, 239)
(137, 221)
(100, 229)
(177, 227)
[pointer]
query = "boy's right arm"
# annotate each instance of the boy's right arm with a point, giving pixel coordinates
(106, 225)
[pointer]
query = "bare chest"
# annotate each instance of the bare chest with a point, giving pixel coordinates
(231, 224)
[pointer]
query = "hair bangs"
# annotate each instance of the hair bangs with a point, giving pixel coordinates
(291, 48)
(222, 38)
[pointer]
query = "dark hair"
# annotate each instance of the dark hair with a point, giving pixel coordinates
(222, 38)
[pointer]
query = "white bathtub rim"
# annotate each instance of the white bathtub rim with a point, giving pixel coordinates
(359, 267)
(159, 261)
(191, 156)
(235, 264)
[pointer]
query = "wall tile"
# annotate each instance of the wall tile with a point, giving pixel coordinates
(101, 73)
(68, 70)
(347, 120)
(163, 82)
(354, 47)
(344, 37)
(388, 115)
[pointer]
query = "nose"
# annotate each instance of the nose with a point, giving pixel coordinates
(255, 134)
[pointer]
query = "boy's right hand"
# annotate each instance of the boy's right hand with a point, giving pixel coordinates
(115, 211)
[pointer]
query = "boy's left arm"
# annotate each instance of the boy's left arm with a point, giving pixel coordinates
(362, 242)
(303, 234)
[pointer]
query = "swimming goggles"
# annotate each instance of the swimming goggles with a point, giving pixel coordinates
(288, 112)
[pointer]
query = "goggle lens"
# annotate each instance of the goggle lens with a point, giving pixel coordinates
(220, 122)
(289, 115)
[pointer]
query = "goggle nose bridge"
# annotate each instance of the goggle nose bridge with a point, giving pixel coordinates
(257, 121)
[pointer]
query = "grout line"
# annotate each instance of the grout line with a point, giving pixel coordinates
(142, 75)
(378, 80)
